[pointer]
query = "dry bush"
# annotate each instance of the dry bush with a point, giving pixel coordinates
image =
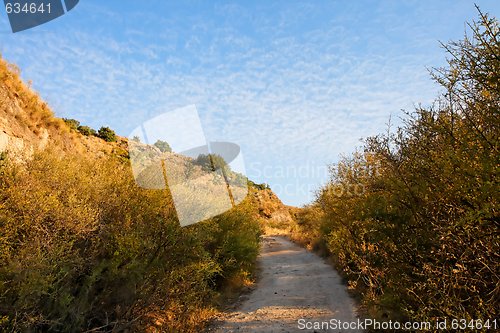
(420, 239)
(83, 247)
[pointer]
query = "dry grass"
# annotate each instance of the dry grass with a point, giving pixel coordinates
(82, 247)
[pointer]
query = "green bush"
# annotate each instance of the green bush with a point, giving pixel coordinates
(261, 187)
(72, 123)
(107, 134)
(163, 146)
(87, 131)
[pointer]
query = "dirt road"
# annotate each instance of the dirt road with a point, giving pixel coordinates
(294, 284)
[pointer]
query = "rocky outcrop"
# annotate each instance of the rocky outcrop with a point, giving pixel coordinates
(271, 209)
(19, 148)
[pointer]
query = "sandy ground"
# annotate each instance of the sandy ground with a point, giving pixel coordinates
(293, 284)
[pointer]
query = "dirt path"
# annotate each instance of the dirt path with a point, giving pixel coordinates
(293, 284)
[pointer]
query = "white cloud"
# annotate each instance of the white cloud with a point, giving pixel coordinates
(290, 99)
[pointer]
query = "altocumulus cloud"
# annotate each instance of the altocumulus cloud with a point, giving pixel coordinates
(293, 85)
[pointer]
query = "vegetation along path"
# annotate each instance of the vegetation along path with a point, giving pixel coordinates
(294, 284)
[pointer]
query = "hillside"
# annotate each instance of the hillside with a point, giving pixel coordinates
(27, 125)
(82, 247)
(275, 217)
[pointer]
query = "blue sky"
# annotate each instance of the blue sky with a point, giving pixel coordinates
(294, 83)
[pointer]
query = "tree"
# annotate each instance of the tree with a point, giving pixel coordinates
(163, 146)
(107, 134)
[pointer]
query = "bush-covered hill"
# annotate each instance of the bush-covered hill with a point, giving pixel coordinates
(83, 248)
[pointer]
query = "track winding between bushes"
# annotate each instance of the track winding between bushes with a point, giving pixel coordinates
(294, 284)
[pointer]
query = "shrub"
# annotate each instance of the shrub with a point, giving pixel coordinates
(412, 220)
(82, 248)
(261, 187)
(211, 162)
(107, 134)
(72, 123)
(163, 146)
(87, 131)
